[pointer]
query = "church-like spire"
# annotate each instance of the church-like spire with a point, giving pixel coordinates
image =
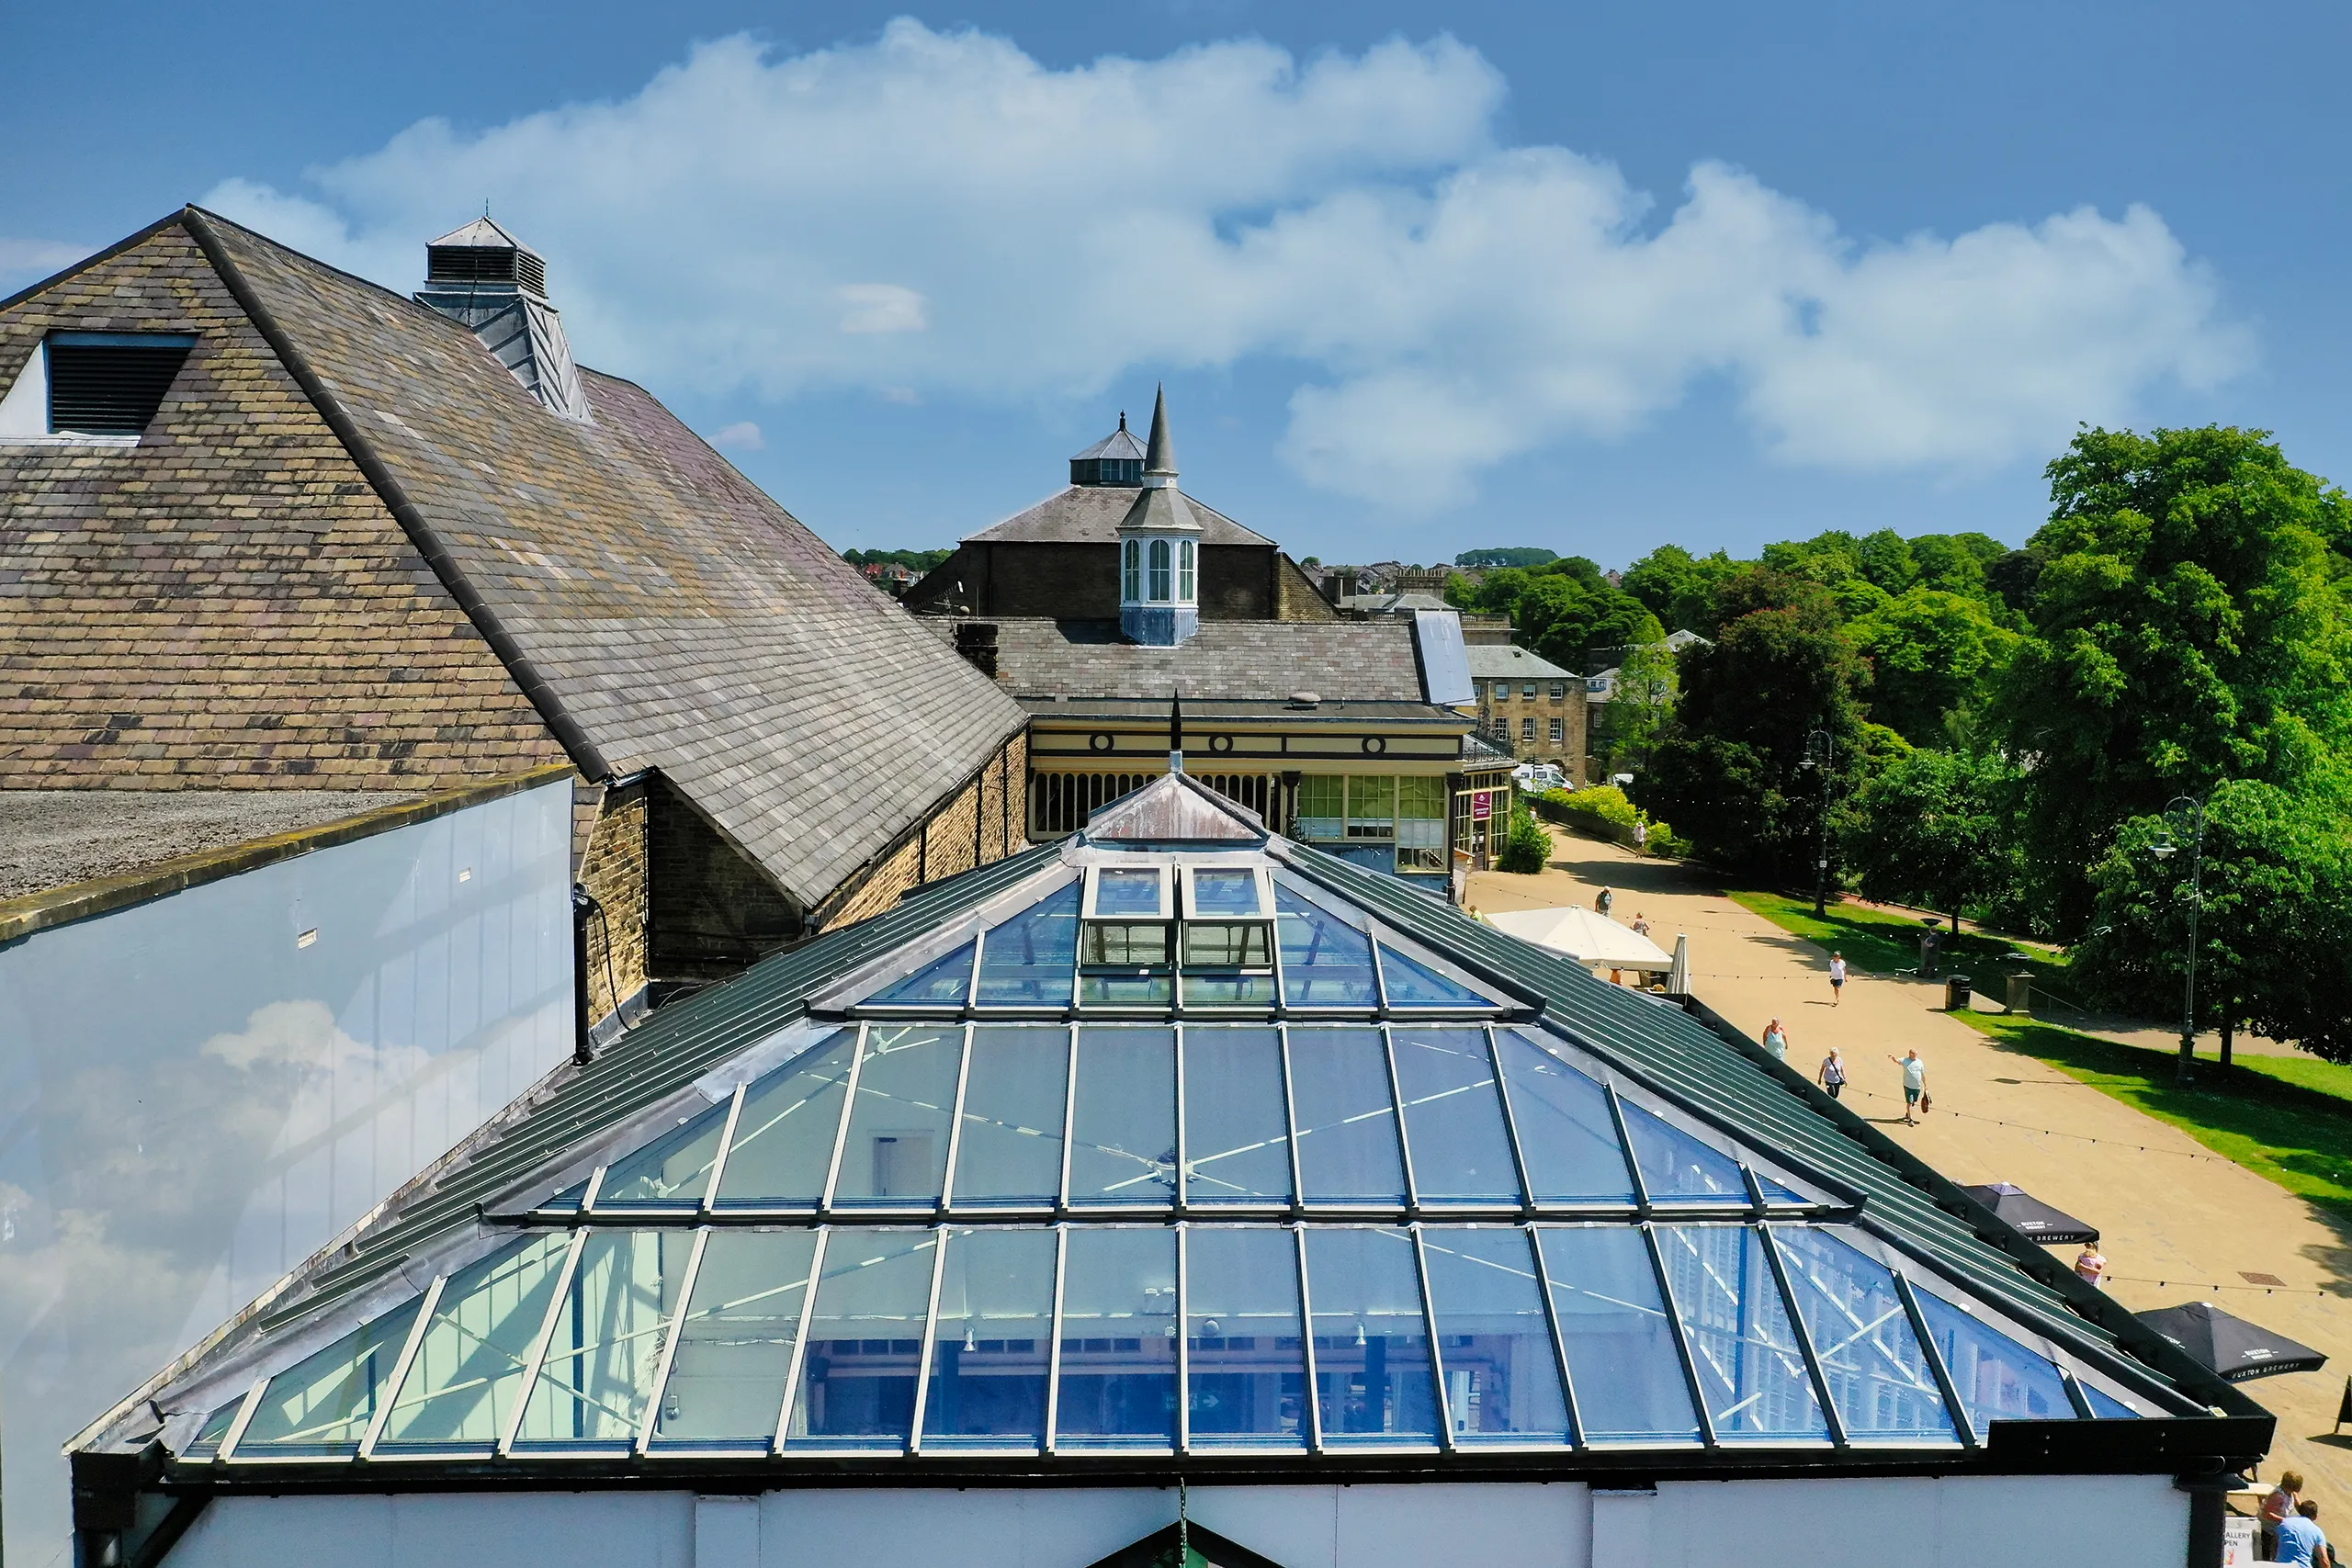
(1159, 456)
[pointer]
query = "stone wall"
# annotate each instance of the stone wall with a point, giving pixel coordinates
(711, 909)
(995, 801)
(227, 605)
(613, 870)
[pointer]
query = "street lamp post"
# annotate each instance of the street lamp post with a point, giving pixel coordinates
(2187, 813)
(1820, 746)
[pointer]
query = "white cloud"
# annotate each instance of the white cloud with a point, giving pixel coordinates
(1453, 301)
(33, 260)
(741, 436)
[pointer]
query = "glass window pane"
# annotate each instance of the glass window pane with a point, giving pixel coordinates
(1420, 797)
(215, 1431)
(857, 1379)
(1236, 1144)
(1125, 943)
(726, 1386)
(1347, 1131)
(1996, 1378)
(996, 1336)
(1677, 1168)
(1028, 960)
(2105, 1406)
(1750, 1371)
(1412, 984)
(462, 1384)
(1862, 1337)
(1123, 1147)
(1565, 1129)
(1137, 990)
(1628, 1375)
(1325, 961)
(1249, 1363)
(1230, 990)
(1011, 1150)
(322, 1404)
(670, 1172)
(897, 1150)
(1454, 1120)
(1118, 1338)
(1127, 892)
(1778, 1195)
(1322, 809)
(784, 1140)
(1225, 892)
(1213, 944)
(1371, 1347)
(1371, 805)
(600, 1366)
(1502, 1378)
(942, 981)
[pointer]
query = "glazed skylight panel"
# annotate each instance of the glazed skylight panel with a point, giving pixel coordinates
(884, 1340)
(915, 1119)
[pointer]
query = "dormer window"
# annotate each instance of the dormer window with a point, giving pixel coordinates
(94, 386)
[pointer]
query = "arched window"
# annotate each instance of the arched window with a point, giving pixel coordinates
(1184, 587)
(1160, 572)
(1131, 578)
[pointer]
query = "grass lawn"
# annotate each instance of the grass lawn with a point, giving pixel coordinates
(2297, 1135)
(2288, 1118)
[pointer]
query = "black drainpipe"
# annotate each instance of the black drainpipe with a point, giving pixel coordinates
(583, 904)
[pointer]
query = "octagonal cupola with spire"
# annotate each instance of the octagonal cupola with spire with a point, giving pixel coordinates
(1160, 549)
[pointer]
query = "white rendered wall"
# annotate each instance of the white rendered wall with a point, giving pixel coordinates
(2012, 1522)
(193, 1100)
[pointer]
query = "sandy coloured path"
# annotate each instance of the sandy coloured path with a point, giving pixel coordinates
(2174, 1217)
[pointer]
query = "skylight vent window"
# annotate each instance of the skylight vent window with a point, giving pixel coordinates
(485, 263)
(110, 383)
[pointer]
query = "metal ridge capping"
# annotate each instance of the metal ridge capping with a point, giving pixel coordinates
(412, 521)
(99, 895)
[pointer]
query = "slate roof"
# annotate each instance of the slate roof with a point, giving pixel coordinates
(674, 612)
(1234, 660)
(1120, 446)
(1175, 808)
(1090, 515)
(1506, 661)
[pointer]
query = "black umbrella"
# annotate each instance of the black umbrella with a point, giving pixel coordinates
(2230, 1346)
(2029, 1214)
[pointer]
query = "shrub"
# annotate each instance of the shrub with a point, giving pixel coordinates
(1603, 812)
(1527, 849)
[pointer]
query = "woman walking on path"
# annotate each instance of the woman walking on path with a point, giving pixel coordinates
(1606, 902)
(1832, 1076)
(1837, 977)
(1914, 1085)
(1776, 1040)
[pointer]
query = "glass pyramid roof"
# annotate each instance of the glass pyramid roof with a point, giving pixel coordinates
(1239, 1173)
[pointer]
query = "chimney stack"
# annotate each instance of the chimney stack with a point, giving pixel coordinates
(976, 640)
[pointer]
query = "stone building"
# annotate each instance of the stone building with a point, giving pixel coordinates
(1134, 621)
(1529, 705)
(266, 527)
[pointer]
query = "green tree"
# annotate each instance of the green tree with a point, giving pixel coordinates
(2274, 932)
(1640, 708)
(1931, 654)
(1887, 561)
(2188, 627)
(1928, 829)
(1516, 555)
(1727, 773)
(1680, 588)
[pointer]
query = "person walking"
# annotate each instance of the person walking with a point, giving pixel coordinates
(2277, 1507)
(1914, 1085)
(1832, 1076)
(1641, 925)
(1837, 977)
(2301, 1540)
(1641, 835)
(1776, 1040)
(1606, 902)
(2090, 1266)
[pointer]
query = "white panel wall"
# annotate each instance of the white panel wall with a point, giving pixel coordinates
(2024, 1522)
(193, 1098)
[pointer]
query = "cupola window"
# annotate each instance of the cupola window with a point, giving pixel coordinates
(1184, 574)
(1131, 574)
(1160, 572)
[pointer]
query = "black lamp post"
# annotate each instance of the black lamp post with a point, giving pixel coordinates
(2185, 814)
(1820, 746)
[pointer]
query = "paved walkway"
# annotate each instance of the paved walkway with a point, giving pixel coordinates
(2174, 1217)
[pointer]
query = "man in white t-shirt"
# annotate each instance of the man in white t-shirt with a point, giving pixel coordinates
(1914, 1086)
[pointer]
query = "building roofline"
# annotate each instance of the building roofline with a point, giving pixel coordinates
(486, 620)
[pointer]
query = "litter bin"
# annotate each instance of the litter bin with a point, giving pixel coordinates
(2021, 993)
(1956, 994)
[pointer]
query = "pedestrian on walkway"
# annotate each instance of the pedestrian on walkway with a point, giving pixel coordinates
(1837, 977)
(2090, 1266)
(1832, 1076)
(1641, 836)
(1914, 1085)
(2277, 1507)
(1641, 925)
(1606, 902)
(1776, 1040)
(2301, 1540)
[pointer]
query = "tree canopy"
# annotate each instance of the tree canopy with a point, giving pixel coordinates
(1515, 555)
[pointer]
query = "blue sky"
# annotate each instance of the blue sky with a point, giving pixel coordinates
(1419, 278)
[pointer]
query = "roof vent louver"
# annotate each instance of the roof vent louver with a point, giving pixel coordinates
(110, 383)
(485, 277)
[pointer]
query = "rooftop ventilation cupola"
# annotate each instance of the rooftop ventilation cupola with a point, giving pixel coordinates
(1160, 549)
(1116, 460)
(493, 283)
